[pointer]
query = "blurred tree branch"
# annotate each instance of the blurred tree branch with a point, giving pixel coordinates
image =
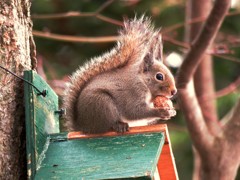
(104, 39)
(96, 14)
(176, 42)
(206, 36)
(68, 38)
(78, 14)
(217, 147)
(229, 89)
(193, 21)
(233, 59)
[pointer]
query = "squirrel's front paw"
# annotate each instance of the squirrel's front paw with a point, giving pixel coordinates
(120, 127)
(166, 114)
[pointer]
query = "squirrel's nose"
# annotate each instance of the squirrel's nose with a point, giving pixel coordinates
(173, 92)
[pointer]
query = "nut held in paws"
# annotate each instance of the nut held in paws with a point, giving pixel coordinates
(163, 102)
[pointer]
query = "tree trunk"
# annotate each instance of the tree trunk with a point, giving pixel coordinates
(203, 78)
(15, 55)
(217, 147)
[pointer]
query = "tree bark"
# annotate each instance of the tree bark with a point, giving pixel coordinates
(15, 55)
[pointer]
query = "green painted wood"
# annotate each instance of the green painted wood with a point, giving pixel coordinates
(52, 156)
(41, 119)
(120, 157)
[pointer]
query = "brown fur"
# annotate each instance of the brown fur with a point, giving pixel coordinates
(97, 89)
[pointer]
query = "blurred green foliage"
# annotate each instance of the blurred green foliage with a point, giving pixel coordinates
(62, 58)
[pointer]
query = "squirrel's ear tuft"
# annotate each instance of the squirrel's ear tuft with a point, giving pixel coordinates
(155, 51)
(157, 47)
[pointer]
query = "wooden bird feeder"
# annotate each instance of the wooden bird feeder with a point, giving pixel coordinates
(141, 153)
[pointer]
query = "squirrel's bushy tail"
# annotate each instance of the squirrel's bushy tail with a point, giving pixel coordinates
(132, 45)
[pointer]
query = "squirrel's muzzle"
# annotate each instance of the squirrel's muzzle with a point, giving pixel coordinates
(173, 92)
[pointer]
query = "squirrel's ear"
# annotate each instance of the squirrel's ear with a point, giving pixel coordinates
(154, 53)
(148, 62)
(157, 47)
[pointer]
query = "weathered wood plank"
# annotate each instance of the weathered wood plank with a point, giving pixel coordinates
(118, 157)
(41, 118)
(30, 135)
(132, 130)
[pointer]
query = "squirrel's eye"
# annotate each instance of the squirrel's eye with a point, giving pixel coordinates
(159, 76)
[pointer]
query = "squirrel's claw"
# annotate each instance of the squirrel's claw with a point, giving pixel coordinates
(166, 114)
(120, 127)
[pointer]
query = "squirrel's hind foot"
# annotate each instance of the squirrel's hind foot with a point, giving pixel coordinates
(120, 127)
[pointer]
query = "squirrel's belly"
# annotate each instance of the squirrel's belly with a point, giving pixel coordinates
(140, 122)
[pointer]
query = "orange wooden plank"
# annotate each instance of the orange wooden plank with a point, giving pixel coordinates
(132, 130)
(166, 164)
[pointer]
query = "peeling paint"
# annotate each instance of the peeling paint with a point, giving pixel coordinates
(50, 124)
(42, 155)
